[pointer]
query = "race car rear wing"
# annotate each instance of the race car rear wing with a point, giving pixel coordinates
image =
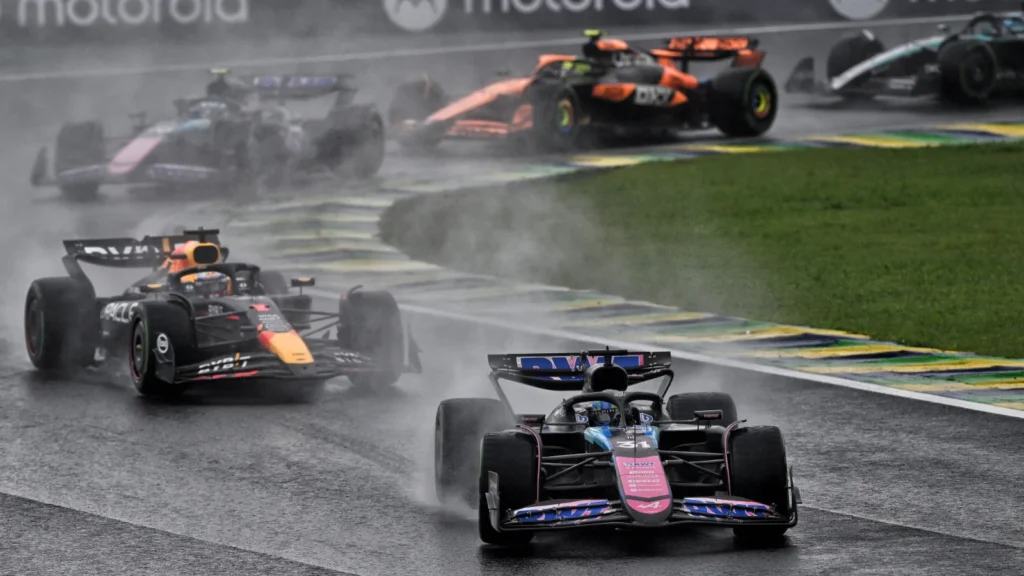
(684, 49)
(148, 252)
(298, 86)
(565, 371)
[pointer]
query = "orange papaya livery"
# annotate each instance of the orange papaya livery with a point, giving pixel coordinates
(710, 44)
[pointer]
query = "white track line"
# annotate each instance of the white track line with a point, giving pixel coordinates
(705, 359)
(462, 49)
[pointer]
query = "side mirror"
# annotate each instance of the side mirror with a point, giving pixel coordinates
(708, 415)
(943, 28)
(533, 420)
(301, 283)
(151, 288)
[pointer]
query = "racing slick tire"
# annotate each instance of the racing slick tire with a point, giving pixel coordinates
(742, 102)
(367, 156)
(273, 283)
(79, 145)
(459, 426)
(759, 471)
(850, 51)
(415, 100)
(513, 456)
(62, 324)
(557, 123)
(968, 72)
(682, 406)
(154, 325)
(373, 326)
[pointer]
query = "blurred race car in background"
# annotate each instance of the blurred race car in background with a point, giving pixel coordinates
(235, 138)
(569, 101)
(609, 455)
(197, 318)
(983, 59)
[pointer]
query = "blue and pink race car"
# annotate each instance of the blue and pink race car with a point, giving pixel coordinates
(610, 455)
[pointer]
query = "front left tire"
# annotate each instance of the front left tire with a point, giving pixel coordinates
(161, 337)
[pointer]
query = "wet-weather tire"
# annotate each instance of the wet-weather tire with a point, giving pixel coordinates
(459, 426)
(513, 456)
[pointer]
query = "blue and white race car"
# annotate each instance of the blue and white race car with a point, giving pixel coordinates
(238, 137)
(983, 59)
(609, 455)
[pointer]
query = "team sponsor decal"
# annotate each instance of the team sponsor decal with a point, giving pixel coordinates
(415, 15)
(224, 364)
(214, 309)
(162, 343)
(91, 13)
(574, 363)
(582, 419)
(859, 9)
(273, 322)
(653, 95)
(120, 312)
(348, 358)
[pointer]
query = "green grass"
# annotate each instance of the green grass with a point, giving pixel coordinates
(920, 246)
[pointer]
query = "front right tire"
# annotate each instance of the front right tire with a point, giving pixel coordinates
(513, 456)
(158, 329)
(459, 427)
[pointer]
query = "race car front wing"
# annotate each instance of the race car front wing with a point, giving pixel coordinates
(718, 511)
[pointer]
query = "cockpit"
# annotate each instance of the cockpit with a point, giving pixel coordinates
(995, 26)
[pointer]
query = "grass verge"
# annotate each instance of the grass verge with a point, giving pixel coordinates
(919, 246)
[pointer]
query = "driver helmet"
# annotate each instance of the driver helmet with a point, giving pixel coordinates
(207, 284)
(599, 413)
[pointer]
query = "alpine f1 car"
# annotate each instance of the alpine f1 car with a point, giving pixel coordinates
(198, 318)
(609, 455)
(614, 87)
(239, 135)
(983, 59)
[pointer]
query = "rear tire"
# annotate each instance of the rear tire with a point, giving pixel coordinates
(850, 51)
(513, 456)
(355, 147)
(459, 427)
(150, 321)
(743, 102)
(62, 324)
(80, 145)
(415, 101)
(968, 70)
(759, 472)
(372, 325)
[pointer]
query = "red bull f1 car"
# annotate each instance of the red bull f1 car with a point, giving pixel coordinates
(238, 137)
(609, 455)
(197, 318)
(571, 101)
(983, 59)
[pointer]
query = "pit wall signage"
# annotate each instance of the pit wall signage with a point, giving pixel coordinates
(124, 13)
(441, 16)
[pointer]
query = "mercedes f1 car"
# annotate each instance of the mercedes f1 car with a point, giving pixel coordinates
(197, 318)
(568, 101)
(609, 455)
(236, 137)
(983, 59)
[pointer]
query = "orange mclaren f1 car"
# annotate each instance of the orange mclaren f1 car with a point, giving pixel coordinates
(569, 100)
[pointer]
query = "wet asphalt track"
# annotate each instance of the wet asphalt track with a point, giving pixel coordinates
(98, 481)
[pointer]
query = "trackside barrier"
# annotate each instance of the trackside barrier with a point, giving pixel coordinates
(74, 22)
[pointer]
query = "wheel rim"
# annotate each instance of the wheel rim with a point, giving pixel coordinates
(976, 74)
(137, 354)
(566, 116)
(761, 102)
(34, 328)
